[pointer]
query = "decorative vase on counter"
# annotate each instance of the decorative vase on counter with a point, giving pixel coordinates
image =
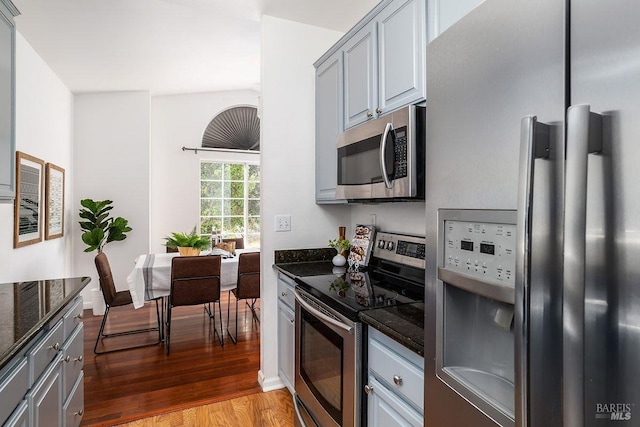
(339, 260)
(188, 251)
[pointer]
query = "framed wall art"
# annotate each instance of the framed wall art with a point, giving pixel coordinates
(27, 217)
(54, 202)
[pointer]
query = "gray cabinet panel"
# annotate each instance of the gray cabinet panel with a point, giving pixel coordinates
(73, 351)
(7, 101)
(401, 56)
(360, 76)
(328, 126)
(20, 417)
(74, 406)
(45, 398)
(13, 387)
(286, 340)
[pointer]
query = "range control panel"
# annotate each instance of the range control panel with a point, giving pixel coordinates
(400, 248)
(486, 251)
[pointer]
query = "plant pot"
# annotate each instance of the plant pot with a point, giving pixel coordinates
(339, 260)
(188, 251)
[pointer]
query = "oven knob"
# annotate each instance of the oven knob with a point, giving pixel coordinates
(381, 244)
(390, 246)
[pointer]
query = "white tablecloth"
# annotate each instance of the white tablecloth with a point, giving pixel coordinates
(151, 277)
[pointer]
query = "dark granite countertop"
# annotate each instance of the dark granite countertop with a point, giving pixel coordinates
(26, 307)
(308, 268)
(404, 323)
(304, 262)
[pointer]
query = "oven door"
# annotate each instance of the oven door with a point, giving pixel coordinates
(376, 159)
(328, 367)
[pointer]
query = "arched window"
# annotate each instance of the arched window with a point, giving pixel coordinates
(237, 128)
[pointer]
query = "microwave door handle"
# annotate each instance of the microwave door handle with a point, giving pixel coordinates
(383, 164)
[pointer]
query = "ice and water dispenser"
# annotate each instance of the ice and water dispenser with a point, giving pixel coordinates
(476, 295)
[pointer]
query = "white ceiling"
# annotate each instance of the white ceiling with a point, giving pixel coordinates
(165, 46)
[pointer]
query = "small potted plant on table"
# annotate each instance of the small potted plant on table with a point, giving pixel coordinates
(188, 244)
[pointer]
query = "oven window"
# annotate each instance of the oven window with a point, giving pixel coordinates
(321, 352)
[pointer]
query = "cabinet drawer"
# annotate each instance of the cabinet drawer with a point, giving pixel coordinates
(73, 359)
(74, 405)
(44, 351)
(285, 291)
(13, 388)
(403, 375)
(73, 317)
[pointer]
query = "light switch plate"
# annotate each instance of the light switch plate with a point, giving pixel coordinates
(283, 222)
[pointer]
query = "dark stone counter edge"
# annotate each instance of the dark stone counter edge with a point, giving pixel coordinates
(19, 345)
(394, 334)
(282, 269)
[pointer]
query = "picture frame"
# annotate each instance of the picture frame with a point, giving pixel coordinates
(27, 216)
(54, 202)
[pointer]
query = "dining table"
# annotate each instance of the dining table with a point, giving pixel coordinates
(151, 277)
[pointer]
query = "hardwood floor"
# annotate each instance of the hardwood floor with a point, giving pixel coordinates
(138, 383)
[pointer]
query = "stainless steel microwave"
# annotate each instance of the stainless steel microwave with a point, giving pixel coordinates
(383, 159)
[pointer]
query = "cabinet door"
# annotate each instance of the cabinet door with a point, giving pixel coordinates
(329, 110)
(286, 342)
(386, 409)
(360, 77)
(20, 417)
(74, 406)
(73, 359)
(7, 69)
(45, 398)
(402, 42)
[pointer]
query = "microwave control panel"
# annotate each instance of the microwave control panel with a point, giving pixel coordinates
(400, 153)
(486, 251)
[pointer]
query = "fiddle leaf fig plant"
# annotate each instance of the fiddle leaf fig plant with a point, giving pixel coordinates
(99, 226)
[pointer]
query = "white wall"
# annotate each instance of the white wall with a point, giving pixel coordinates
(289, 50)
(180, 121)
(43, 129)
(398, 217)
(111, 161)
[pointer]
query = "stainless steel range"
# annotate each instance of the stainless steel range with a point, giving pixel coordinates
(331, 357)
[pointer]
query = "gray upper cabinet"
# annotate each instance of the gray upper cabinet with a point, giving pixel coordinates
(384, 62)
(328, 126)
(360, 76)
(7, 100)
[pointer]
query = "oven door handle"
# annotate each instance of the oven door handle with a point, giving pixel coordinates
(321, 315)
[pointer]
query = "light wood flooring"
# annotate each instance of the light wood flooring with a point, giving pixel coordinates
(200, 381)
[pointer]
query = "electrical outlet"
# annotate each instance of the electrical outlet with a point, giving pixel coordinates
(283, 222)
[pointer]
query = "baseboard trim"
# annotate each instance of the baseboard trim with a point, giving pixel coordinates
(268, 384)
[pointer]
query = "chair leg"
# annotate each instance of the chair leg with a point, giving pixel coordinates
(221, 334)
(234, 339)
(102, 335)
(167, 337)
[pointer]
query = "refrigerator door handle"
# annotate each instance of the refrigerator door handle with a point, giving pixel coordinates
(383, 160)
(584, 136)
(534, 144)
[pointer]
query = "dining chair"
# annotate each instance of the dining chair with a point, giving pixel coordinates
(239, 241)
(114, 298)
(195, 280)
(247, 286)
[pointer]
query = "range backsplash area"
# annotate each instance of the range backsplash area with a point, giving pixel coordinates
(397, 217)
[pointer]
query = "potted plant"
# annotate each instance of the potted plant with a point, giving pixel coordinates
(342, 247)
(99, 226)
(188, 244)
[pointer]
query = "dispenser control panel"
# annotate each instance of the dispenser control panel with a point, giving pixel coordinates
(486, 251)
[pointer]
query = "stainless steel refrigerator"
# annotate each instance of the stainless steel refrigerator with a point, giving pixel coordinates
(532, 308)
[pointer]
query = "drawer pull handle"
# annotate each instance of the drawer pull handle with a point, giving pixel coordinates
(79, 413)
(378, 110)
(369, 114)
(292, 321)
(284, 294)
(368, 388)
(78, 316)
(397, 379)
(78, 359)
(67, 359)
(55, 347)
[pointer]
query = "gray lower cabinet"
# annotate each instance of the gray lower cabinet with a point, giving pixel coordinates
(286, 331)
(7, 100)
(44, 385)
(328, 126)
(395, 383)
